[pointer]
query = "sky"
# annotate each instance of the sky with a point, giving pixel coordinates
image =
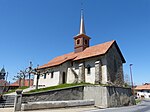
(39, 30)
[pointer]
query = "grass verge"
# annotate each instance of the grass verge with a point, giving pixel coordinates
(137, 101)
(13, 90)
(57, 87)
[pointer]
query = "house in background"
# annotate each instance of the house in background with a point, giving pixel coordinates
(143, 91)
(99, 64)
(20, 83)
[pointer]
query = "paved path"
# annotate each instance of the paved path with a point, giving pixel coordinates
(144, 106)
(74, 109)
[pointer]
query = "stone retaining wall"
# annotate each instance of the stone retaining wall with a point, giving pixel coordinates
(103, 96)
(118, 96)
(73, 93)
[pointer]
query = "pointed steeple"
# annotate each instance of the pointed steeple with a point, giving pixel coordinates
(82, 27)
(81, 41)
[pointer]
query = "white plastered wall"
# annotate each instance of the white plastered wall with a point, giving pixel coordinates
(48, 81)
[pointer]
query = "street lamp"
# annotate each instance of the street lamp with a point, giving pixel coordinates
(131, 78)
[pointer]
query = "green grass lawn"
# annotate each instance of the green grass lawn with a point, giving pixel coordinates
(137, 101)
(13, 90)
(58, 87)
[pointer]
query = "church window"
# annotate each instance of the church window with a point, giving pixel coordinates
(88, 69)
(44, 75)
(85, 41)
(78, 41)
(71, 63)
(52, 74)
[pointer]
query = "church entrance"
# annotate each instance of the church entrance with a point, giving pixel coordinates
(64, 78)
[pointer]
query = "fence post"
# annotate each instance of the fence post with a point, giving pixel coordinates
(18, 100)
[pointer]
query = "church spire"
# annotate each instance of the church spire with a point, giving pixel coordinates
(82, 27)
(81, 41)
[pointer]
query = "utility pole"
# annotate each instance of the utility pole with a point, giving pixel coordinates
(131, 78)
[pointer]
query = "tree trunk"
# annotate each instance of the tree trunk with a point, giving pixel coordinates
(37, 81)
(29, 80)
(23, 80)
(19, 82)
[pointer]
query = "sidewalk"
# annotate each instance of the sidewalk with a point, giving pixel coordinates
(73, 109)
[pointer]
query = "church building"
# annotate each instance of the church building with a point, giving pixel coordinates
(2, 73)
(99, 64)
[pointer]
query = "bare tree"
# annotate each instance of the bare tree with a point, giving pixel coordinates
(23, 73)
(37, 73)
(19, 78)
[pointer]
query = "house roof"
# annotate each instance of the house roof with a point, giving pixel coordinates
(3, 82)
(26, 82)
(143, 87)
(89, 52)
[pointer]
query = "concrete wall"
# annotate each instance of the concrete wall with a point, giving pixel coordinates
(103, 96)
(98, 93)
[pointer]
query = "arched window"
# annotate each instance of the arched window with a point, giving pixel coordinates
(88, 69)
(78, 41)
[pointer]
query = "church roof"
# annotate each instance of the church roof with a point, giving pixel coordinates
(89, 52)
(26, 82)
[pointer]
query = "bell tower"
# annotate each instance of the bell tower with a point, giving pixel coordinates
(81, 41)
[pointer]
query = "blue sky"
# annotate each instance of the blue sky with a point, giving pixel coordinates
(39, 30)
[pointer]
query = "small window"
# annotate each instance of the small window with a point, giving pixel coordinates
(88, 69)
(85, 42)
(52, 74)
(78, 41)
(44, 75)
(71, 63)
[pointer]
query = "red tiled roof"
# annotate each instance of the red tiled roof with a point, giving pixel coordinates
(26, 82)
(92, 51)
(3, 82)
(143, 87)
